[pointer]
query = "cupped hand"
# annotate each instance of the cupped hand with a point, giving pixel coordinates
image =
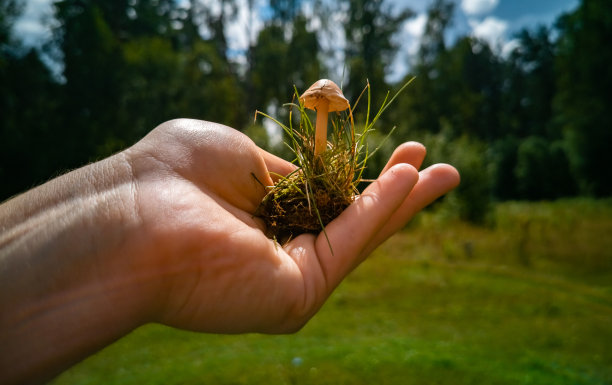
(164, 232)
(196, 186)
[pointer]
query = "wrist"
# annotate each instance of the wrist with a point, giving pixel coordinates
(67, 282)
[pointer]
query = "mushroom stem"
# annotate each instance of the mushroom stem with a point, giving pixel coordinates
(324, 96)
(321, 128)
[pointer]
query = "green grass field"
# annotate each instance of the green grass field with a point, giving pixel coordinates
(527, 300)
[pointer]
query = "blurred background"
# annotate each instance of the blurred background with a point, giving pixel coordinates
(506, 280)
(516, 93)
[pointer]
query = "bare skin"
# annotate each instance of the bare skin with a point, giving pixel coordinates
(164, 232)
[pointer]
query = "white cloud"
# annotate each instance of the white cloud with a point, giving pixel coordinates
(509, 46)
(333, 40)
(239, 29)
(478, 7)
(491, 29)
(415, 27)
(408, 39)
(30, 27)
(274, 131)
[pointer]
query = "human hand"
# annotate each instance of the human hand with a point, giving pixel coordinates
(165, 232)
(197, 187)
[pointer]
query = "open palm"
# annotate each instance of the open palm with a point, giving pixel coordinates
(196, 187)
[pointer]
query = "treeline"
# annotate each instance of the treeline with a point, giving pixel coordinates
(534, 124)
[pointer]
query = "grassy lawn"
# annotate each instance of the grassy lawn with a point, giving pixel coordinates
(527, 300)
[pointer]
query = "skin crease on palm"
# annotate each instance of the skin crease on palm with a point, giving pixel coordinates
(164, 232)
(231, 186)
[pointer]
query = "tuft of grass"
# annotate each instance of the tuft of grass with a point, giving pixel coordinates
(424, 309)
(323, 185)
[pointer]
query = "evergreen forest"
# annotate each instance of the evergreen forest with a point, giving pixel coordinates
(531, 124)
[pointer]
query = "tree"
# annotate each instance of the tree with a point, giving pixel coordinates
(214, 16)
(471, 200)
(285, 11)
(423, 101)
(131, 19)
(583, 102)
(433, 43)
(151, 90)
(369, 32)
(29, 147)
(530, 85)
(468, 85)
(9, 11)
(286, 54)
(502, 155)
(542, 170)
(527, 158)
(303, 65)
(92, 58)
(268, 74)
(208, 90)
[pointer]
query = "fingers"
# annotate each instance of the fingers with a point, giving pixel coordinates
(276, 166)
(434, 182)
(412, 153)
(352, 232)
(383, 208)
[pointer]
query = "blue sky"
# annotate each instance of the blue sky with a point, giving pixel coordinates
(514, 15)
(493, 20)
(545, 9)
(496, 21)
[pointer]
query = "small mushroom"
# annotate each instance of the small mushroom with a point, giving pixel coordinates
(324, 97)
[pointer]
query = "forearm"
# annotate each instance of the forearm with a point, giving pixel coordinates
(61, 247)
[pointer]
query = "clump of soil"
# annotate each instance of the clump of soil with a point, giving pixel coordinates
(300, 204)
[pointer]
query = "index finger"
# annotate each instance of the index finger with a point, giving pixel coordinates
(276, 166)
(351, 232)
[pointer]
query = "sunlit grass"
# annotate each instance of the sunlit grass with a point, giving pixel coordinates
(440, 303)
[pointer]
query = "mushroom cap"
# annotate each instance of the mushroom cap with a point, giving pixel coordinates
(325, 90)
